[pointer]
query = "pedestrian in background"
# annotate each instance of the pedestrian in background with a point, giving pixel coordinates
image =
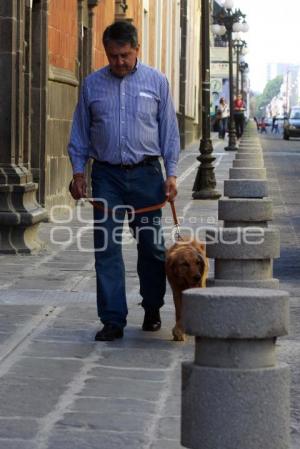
(263, 126)
(216, 120)
(256, 122)
(223, 111)
(275, 125)
(125, 120)
(239, 116)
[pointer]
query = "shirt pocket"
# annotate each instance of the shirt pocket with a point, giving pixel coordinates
(147, 107)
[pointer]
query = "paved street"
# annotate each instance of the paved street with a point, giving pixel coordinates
(282, 160)
(59, 389)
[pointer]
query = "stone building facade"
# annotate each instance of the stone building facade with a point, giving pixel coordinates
(47, 47)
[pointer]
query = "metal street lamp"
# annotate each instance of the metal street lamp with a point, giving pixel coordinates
(238, 45)
(243, 69)
(227, 21)
(205, 183)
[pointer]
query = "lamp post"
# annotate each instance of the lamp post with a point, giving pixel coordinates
(238, 45)
(243, 69)
(205, 182)
(227, 21)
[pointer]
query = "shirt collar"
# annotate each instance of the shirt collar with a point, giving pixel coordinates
(135, 68)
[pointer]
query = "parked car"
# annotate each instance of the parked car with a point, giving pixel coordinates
(291, 125)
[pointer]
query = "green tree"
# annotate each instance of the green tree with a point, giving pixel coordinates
(272, 88)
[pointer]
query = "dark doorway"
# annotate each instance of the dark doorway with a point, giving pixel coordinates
(39, 57)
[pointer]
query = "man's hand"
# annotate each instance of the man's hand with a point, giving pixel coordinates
(78, 186)
(171, 189)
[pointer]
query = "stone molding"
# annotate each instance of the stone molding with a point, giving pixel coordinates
(63, 76)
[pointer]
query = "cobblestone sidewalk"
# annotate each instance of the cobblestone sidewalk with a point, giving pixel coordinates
(59, 389)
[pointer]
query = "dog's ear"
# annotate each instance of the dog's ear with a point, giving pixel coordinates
(171, 258)
(199, 246)
(172, 265)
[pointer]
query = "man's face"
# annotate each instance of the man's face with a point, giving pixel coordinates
(122, 59)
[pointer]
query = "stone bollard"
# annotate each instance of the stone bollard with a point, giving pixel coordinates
(248, 163)
(247, 173)
(249, 145)
(245, 188)
(248, 149)
(245, 211)
(245, 247)
(243, 256)
(234, 394)
(249, 156)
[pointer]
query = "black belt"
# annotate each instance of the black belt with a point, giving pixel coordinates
(146, 161)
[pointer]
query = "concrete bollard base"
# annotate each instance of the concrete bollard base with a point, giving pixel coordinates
(234, 395)
(235, 408)
(246, 283)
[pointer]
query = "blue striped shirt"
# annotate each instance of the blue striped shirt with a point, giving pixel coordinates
(122, 120)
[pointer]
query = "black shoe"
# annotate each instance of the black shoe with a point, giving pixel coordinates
(152, 321)
(109, 333)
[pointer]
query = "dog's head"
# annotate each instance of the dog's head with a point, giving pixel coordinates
(187, 265)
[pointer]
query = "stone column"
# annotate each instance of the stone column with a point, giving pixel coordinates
(234, 394)
(19, 211)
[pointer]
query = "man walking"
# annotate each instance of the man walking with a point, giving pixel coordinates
(125, 121)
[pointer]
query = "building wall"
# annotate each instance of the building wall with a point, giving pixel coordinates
(62, 33)
(152, 25)
(158, 24)
(193, 59)
(192, 127)
(62, 97)
(176, 53)
(57, 48)
(104, 16)
(63, 84)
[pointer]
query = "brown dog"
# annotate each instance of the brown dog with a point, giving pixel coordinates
(186, 267)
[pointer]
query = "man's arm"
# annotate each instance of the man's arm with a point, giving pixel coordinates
(169, 138)
(78, 186)
(78, 147)
(171, 188)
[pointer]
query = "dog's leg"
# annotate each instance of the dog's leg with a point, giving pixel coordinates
(177, 331)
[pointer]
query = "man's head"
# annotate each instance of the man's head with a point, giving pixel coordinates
(120, 41)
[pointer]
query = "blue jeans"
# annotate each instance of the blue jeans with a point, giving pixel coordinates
(223, 127)
(138, 187)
